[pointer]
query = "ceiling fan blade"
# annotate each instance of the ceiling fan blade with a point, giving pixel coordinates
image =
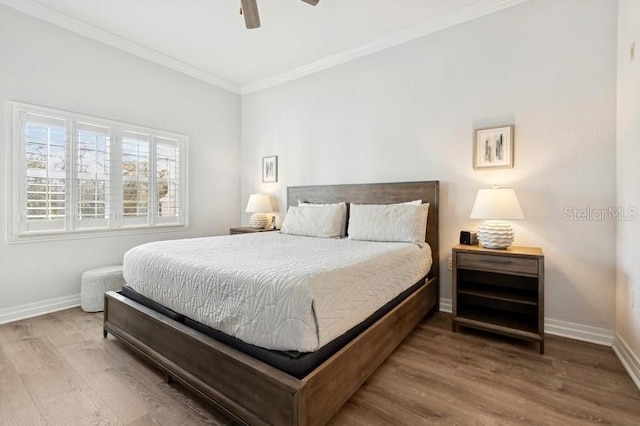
(311, 2)
(250, 12)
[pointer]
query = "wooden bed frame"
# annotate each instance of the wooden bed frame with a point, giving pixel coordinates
(252, 392)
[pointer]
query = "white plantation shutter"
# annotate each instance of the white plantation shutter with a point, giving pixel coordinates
(167, 170)
(136, 173)
(76, 173)
(43, 184)
(92, 172)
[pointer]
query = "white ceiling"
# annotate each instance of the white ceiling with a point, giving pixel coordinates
(207, 39)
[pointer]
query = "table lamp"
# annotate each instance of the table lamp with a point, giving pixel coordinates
(258, 204)
(496, 205)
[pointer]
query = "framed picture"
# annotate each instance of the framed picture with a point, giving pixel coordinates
(493, 148)
(270, 169)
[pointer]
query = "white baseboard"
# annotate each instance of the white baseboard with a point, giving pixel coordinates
(38, 308)
(585, 333)
(628, 359)
(445, 305)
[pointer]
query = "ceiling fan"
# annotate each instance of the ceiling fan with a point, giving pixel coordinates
(249, 8)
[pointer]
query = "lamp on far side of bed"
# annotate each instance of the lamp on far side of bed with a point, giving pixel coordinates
(496, 205)
(258, 204)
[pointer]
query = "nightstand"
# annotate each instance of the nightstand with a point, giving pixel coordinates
(248, 230)
(500, 291)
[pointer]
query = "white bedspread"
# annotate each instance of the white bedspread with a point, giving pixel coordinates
(272, 290)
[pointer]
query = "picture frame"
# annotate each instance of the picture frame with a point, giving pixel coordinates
(493, 148)
(270, 169)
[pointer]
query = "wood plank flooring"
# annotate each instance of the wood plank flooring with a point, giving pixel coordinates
(58, 370)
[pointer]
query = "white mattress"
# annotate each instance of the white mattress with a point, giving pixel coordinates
(272, 290)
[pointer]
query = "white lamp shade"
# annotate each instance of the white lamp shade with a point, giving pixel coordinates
(496, 204)
(258, 203)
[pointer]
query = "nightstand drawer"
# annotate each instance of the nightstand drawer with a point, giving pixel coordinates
(498, 263)
(249, 230)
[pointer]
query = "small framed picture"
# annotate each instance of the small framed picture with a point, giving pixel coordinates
(270, 169)
(493, 148)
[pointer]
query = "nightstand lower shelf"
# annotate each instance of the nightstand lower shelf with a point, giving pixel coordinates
(500, 329)
(525, 297)
(517, 324)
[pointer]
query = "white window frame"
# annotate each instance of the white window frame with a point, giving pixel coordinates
(116, 223)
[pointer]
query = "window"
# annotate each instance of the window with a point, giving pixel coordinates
(74, 173)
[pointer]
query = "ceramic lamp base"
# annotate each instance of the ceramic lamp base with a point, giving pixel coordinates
(495, 234)
(258, 221)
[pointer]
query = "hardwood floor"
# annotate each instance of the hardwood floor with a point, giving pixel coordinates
(58, 370)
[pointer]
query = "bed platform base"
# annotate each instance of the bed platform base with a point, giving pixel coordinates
(248, 390)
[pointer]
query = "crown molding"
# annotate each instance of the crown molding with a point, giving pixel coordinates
(461, 15)
(456, 17)
(52, 16)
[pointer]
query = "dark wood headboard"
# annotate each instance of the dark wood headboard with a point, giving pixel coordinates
(379, 193)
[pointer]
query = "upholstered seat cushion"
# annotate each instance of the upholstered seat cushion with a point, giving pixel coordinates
(94, 284)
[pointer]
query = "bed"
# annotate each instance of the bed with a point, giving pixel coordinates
(254, 391)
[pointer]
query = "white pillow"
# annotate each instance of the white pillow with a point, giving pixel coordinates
(388, 222)
(343, 208)
(319, 221)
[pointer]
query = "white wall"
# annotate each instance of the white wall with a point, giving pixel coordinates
(408, 114)
(628, 183)
(45, 65)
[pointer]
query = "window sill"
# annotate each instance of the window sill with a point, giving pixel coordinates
(84, 234)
